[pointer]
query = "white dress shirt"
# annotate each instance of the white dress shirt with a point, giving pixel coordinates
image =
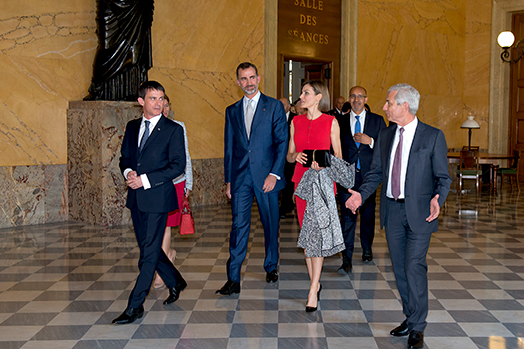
(362, 119)
(153, 121)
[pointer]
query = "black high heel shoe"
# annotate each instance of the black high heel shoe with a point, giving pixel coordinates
(312, 309)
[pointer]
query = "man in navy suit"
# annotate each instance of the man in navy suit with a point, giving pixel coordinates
(152, 155)
(410, 161)
(255, 148)
(286, 195)
(358, 133)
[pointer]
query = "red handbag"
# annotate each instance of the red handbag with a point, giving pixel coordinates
(187, 224)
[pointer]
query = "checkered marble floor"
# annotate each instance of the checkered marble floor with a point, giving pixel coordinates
(62, 284)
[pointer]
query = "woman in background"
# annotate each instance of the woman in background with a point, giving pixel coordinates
(183, 185)
(313, 130)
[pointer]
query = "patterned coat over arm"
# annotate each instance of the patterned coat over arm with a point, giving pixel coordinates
(321, 234)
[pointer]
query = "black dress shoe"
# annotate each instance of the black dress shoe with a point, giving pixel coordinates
(346, 267)
(401, 330)
(416, 340)
(229, 288)
(129, 315)
(367, 256)
(174, 292)
(272, 276)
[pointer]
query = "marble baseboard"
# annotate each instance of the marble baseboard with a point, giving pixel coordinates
(208, 182)
(33, 195)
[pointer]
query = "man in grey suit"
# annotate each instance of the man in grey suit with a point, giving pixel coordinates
(410, 161)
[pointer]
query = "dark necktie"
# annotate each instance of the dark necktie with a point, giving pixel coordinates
(358, 128)
(397, 166)
(145, 136)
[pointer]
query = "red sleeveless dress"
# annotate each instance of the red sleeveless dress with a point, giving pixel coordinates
(309, 134)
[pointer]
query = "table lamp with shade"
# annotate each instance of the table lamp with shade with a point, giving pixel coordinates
(470, 124)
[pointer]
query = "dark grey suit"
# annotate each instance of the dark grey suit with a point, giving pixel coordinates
(407, 232)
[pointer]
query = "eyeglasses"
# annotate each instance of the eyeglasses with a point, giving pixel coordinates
(357, 97)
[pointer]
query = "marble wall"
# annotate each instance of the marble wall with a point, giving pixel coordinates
(197, 65)
(33, 195)
(439, 47)
(46, 54)
(442, 47)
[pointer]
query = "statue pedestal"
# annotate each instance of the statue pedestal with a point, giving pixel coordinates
(97, 190)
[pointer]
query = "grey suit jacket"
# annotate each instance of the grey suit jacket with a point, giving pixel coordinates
(427, 174)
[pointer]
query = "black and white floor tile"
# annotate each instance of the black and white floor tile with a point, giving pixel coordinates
(62, 284)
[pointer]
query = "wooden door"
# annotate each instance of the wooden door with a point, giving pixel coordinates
(516, 103)
(323, 73)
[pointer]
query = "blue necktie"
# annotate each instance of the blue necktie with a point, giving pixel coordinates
(357, 130)
(145, 136)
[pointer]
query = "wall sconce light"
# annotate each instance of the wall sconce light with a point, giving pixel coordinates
(470, 123)
(506, 40)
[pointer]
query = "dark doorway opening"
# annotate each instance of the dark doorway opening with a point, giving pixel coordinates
(297, 71)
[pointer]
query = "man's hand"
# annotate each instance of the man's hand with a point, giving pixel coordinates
(362, 138)
(134, 181)
(434, 209)
(314, 166)
(354, 202)
(269, 183)
(228, 190)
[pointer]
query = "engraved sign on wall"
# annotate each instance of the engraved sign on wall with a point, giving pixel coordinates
(309, 28)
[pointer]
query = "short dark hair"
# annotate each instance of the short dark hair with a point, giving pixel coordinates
(149, 85)
(346, 107)
(246, 65)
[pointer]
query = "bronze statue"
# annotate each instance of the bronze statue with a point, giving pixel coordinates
(124, 49)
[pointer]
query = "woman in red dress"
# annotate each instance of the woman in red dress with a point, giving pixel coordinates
(183, 185)
(313, 130)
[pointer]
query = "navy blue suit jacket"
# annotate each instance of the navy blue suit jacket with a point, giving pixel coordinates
(427, 174)
(162, 159)
(265, 151)
(374, 123)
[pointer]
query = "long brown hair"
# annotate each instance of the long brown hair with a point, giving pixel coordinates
(319, 87)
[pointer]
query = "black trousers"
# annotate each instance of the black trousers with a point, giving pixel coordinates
(348, 220)
(149, 231)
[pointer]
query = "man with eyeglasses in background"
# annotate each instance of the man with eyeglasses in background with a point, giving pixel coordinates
(358, 132)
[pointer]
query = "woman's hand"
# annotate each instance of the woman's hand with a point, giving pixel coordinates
(301, 158)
